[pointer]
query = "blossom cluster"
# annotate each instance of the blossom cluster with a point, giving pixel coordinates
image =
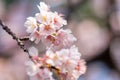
(61, 54)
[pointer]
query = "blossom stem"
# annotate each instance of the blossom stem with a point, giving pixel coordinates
(26, 38)
(19, 40)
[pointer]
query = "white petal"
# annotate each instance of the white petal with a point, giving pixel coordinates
(51, 62)
(33, 51)
(31, 68)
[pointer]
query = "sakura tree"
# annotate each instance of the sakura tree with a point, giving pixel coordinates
(61, 58)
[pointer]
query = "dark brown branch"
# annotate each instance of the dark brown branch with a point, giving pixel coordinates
(26, 38)
(19, 40)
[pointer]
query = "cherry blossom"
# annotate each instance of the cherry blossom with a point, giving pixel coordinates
(31, 24)
(33, 51)
(46, 29)
(45, 74)
(58, 20)
(65, 58)
(35, 36)
(79, 70)
(68, 61)
(60, 39)
(61, 53)
(32, 69)
(44, 24)
(43, 7)
(44, 17)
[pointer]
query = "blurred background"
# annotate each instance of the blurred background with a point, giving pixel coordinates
(95, 23)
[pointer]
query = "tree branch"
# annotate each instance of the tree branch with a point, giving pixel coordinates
(18, 40)
(26, 38)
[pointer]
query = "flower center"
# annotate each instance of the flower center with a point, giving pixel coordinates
(47, 27)
(44, 18)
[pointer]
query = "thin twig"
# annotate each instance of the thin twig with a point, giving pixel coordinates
(18, 40)
(26, 38)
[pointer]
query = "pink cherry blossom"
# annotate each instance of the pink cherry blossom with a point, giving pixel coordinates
(46, 29)
(32, 69)
(68, 61)
(44, 17)
(65, 58)
(36, 36)
(31, 24)
(60, 39)
(45, 74)
(58, 21)
(62, 54)
(43, 7)
(33, 51)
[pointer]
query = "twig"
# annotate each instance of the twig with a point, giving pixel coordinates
(19, 40)
(26, 38)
